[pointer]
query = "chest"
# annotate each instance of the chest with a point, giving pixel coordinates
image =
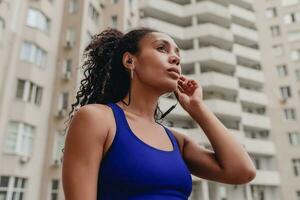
(153, 135)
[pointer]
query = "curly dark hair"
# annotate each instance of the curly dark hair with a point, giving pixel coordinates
(105, 78)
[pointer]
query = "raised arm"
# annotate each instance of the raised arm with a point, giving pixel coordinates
(83, 152)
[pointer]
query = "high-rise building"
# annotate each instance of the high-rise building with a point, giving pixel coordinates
(30, 32)
(279, 32)
(225, 46)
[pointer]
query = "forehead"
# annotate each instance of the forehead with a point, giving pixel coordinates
(155, 37)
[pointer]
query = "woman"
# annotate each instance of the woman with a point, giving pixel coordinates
(116, 149)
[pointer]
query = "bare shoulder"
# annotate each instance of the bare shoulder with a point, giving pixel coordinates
(92, 117)
(180, 137)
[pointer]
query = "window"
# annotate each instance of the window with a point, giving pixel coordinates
(271, 12)
(285, 92)
(93, 13)
(295, 55)
(292, 18)
(32, 53)
(297, 72)
(289, 114)
(54, 189)
(282, 70)
(67, 66)
(70, 36)
(114, 20)
(296, 166)
(37, 19)
(294, 138)
(58, 145)
(275, 30)
(293, 36)
(29, 92)
(73, 6)
(11, 186)
(277, 50)
(19, 138)
(63, 101)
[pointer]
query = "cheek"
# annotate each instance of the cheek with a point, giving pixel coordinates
(153, 65)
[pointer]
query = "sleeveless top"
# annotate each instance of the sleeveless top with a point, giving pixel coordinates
(134, 170)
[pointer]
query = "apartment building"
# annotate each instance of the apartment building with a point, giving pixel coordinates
(279, 33)
(30, 33)
(219, 42)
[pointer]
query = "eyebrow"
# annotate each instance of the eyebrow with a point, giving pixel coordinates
(166, 42)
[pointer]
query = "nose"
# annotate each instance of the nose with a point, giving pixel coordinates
(174, 59)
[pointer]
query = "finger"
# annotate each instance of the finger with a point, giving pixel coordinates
(180, 88)
(182, 78)
(180, 81)
(184, 86)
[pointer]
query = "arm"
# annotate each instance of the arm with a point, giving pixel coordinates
(83, 153)
(229, 163)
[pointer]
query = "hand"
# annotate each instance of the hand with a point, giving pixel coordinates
(189, 93)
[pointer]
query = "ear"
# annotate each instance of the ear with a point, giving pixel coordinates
(128, 60)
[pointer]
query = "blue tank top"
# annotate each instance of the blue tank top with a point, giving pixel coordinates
(134, 170)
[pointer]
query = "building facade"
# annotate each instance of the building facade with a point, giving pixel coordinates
(279, 33)
(224, 46)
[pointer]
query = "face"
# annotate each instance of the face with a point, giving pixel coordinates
(158, 54)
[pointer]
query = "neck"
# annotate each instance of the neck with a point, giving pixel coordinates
(143, 102)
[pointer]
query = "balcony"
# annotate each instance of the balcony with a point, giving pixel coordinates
(211, 56)
(253, 98)
(243, 35)
(247, 55)
(250, 76)
(219, 82)
(254, 146)
(242, 16)
(256, 121)
(210, 33)
(226, 109)
(177, 112)
(247, 4)
(181, 14)
(230, 110)
(200, 137)
(267, 178)
(209, 11)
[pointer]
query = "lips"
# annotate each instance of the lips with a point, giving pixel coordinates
(174, 69)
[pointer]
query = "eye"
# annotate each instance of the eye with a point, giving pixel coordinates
(162, 47)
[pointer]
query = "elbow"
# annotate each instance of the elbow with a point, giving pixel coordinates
(251, 174)
(245, 177)
(242, 177)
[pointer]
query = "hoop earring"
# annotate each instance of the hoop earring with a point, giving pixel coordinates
(131, 73)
